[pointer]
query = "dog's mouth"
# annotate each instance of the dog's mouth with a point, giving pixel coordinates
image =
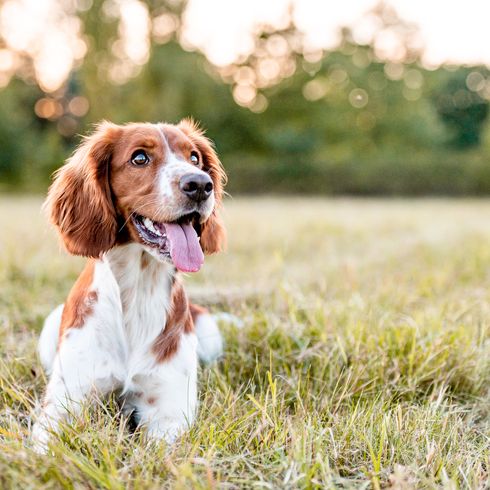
(177, 241)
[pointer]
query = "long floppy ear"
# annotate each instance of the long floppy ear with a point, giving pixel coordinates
(213, 233)
(79, 201)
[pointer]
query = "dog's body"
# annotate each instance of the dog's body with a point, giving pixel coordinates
(127, 325)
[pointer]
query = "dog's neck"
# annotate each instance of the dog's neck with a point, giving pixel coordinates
(131, 264)
(145, 286)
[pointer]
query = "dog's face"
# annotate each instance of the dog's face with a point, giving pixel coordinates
(155, 184)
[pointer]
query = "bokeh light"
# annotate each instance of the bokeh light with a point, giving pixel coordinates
(358, 98)
(48, 108)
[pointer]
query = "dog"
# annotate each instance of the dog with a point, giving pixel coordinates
(142, 202)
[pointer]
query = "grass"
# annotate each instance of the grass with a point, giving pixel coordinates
(363, 360)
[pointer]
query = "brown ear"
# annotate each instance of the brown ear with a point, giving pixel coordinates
(79, 201)
(213, 233)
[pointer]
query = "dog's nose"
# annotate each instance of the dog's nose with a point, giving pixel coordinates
(197, 187)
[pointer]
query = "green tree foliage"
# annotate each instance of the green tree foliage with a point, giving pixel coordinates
(343, 122)
(464, 111)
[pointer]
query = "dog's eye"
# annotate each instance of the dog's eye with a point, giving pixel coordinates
(194, 158)
(140, 158)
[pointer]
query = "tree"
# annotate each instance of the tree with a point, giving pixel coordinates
(462, 110)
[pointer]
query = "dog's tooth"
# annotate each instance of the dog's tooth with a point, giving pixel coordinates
(152, 228)
(147, 222)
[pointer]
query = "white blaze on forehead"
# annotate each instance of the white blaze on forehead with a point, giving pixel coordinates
(164, 138)
(173, 168)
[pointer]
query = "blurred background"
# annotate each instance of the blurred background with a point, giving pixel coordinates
(358, 97)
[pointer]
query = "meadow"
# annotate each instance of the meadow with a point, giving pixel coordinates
(362, 359)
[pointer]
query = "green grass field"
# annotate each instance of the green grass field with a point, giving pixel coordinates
(363, 361)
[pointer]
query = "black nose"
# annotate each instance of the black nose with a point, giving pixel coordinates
(197, 187)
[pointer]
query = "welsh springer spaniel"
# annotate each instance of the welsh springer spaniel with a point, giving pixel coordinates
(142, 202)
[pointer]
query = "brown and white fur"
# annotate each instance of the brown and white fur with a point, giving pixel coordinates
(127, 325)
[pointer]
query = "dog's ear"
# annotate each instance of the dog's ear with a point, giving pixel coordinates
(79, 201)
(213, 233)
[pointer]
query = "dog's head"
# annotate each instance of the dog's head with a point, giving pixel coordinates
(159, 185)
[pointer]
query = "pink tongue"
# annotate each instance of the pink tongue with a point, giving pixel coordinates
(185, 249)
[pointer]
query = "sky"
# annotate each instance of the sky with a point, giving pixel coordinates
(451, 30)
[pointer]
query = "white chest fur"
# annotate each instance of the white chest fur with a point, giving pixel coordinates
(142, 287)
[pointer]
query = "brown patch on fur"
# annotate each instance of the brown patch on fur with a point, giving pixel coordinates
(145, 260)
(189, 324)
(80, 301)
(134, 187)
(179, 321)
(151, 400)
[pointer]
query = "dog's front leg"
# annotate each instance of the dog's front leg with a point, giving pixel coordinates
(165, 399)
(80, 369)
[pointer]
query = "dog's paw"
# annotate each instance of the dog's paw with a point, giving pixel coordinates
(39, 439)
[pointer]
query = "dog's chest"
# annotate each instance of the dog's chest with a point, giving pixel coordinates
(145, 308)
(144, 287)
